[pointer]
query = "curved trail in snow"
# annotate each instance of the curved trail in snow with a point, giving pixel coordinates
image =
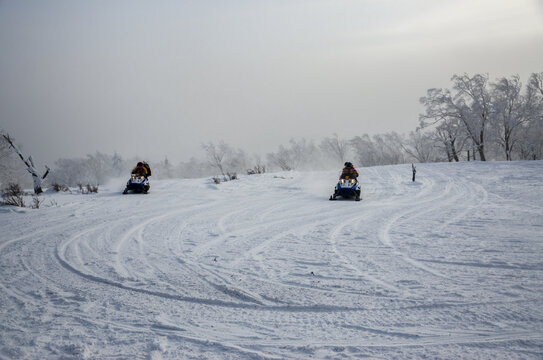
(449, 264)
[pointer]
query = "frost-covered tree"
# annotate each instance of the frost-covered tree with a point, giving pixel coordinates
(118, 164)
(381, 149)
(258, 166)
(163, 169)
(217, 154)
(509, 112)
(536, 82)
(195, 168)
(473, 106)
(451, 138)
(422, 147)
(37, 178)
(167, 168)
(389, 145)
(470, 104)
(99, 168)
(72, 172)
(447, 130)
(11, 170)
(94, 169)
(225, 158)
(531, 138)
(237, 160)
(282, 158)
(364, 150)
(335, 147)
(300, 154)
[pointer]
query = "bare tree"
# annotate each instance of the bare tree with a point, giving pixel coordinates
(472, 102)
(217, 154)
(282, 158)
(531, 138)
(389, 145)
(536, 82)
(509, 111)
(36, 177)
(118, 164)
(99, 167)
(421, 146)
(453, 139)
(381, 149)
(336, 147)
(70, 172)
(447, 129)
(194, 168)
(364, 150)
(300, 153)
(167, 168)
(237, 160)
(470, 105)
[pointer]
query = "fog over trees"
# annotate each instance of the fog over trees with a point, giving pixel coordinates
(476, 119)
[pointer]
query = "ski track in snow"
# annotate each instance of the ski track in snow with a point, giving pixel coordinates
(266, 267)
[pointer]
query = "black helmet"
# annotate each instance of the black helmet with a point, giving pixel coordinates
(348, 164)
(140, 164)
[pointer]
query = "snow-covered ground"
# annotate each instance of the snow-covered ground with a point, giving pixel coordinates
(450, 266)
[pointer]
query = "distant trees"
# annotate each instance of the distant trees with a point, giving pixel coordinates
(225, 158)
(478, 112)
(282, 158)
(300, 154)
(448, 127)
(216, 154)
(422, 147)
(468, 105)
(509, 110)
(495, 120)
(117, 164)
(335, 147)
(381, 149)
(530, 144)
(94, 169)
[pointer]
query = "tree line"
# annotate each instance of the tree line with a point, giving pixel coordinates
(475, 119)
(487, 117)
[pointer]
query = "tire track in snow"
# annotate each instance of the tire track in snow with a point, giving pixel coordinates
(335, 234)
(469, 203)
(135, 233)
(33, 237)
(372, 211)
(200, 301)
(283, 329)
(417, 210)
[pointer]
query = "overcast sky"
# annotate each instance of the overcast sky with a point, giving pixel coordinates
(157, 78)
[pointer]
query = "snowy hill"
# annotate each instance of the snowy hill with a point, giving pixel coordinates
(449, 266)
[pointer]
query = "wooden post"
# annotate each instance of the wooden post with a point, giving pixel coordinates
(414, 171)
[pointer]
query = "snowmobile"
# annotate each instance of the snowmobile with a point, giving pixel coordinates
(137, 183)
(347, 188)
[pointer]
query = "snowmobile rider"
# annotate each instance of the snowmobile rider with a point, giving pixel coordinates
(349, 171)
(142, 169)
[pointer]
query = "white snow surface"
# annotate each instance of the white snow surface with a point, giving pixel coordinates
(265, 267)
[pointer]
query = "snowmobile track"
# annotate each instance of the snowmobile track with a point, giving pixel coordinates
(447, 265)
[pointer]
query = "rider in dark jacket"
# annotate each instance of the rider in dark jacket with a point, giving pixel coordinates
(349, 171)
(140, 169)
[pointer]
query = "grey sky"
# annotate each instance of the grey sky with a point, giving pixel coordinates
(158, 78)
